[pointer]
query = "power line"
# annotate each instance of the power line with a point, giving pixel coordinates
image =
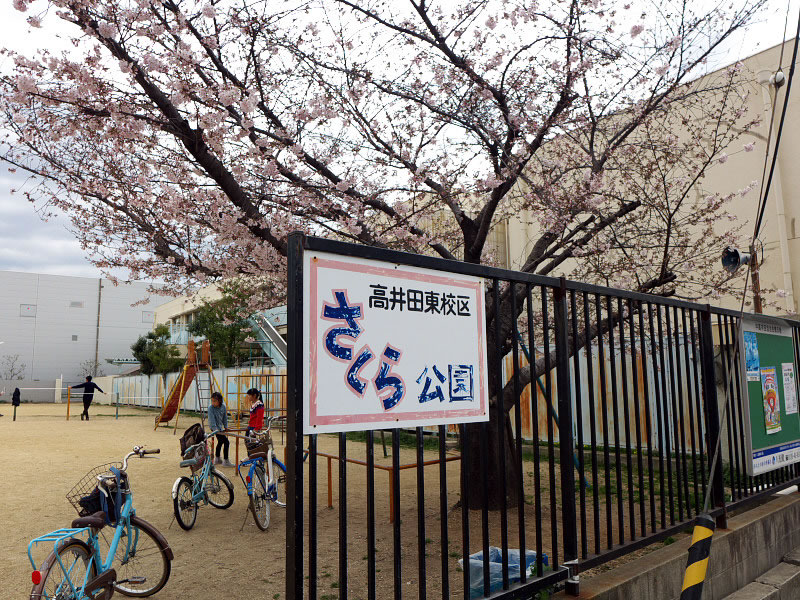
(780, 132)
(762, 207)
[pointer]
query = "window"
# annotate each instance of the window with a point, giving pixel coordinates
(147, 316)
(74, 338)
(76, 304)
(27, 310)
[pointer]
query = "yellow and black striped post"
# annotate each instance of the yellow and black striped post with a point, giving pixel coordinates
(697, 564)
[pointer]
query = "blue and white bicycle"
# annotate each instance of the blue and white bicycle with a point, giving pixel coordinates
(265, 477)
(137, 560)
(206, 485)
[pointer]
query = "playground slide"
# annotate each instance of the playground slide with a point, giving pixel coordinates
(269, 339)
(177, 393)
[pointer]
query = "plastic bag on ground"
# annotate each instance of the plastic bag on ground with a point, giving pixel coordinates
(496, 569)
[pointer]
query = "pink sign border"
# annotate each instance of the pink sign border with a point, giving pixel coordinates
(390, 417)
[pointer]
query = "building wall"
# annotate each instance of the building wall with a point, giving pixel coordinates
(780, 234)
(52, 322)
(177, 310)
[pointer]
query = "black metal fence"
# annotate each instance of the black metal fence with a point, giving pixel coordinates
(606, 447)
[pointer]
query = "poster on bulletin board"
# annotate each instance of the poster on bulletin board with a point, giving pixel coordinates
(772, 422)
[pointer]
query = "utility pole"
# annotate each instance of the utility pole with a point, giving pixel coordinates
(756, 281)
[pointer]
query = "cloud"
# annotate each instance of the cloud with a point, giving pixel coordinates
(30, 244)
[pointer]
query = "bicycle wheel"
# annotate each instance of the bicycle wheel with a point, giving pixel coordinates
(219, 490)
(143, 560)
(183, 506)
(277, 491)
(56, 584)
(259, 503)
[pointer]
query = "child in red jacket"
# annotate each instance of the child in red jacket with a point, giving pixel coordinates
(256, 422)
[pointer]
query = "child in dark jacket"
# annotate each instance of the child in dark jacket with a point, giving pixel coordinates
(218, 421)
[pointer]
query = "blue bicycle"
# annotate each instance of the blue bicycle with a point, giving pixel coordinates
(266, 475)
(206, 486)
(137, 560)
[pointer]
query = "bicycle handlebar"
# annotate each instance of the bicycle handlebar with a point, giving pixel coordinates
(140, 452)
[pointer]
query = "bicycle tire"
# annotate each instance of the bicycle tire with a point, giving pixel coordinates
(211, 485)
(51, 571)
(164, 553)
(183, 503)
(259, 503)
(278, 494)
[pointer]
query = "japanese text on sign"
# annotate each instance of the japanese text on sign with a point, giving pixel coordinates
(392, 346)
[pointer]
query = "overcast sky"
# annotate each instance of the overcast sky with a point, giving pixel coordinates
(29, 244)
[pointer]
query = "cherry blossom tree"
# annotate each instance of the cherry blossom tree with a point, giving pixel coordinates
(186, 139)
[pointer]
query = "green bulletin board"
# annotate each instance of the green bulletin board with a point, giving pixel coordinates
(772, 422)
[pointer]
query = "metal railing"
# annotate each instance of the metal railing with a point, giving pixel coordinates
(621, 412)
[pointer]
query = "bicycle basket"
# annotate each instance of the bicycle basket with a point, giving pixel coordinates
(201, 454)
(261, 443)
(84, 496)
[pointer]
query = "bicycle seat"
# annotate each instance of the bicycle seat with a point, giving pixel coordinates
(97, 520)
(261, 455)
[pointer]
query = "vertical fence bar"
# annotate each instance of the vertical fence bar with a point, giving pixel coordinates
(739, 407)
(294, 441)
(736, 415)
(627, 416)
(698, 403)
(659, 422)
(665, 413)
(502, 416)
(421, 515)
(548, 366)
(312, 517)
(674, 386)
(501, 424)
(587, 328)
(612, 354)
(712, 411)
(371, 588)
(465, 458)
(576, 366)
(733, 454)
(682, 377)
(690, 404)
(601, 359)
(638, 418)
(398, 571)
(484, 465)
(537, 487)
(443, 511)
(566, 444)
(343, 516)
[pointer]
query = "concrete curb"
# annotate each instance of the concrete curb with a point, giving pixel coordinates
(755, 541)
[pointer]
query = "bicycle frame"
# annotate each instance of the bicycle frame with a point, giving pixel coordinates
(199, 482)
(123, 526)
(270, 471)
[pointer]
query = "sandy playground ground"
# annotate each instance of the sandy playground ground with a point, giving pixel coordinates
(44, 455)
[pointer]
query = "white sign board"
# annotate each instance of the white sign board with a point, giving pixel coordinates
(391, 346)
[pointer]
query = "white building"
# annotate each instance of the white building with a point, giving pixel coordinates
(57, 325)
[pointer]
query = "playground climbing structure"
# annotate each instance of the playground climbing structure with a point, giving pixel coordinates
(197, 370)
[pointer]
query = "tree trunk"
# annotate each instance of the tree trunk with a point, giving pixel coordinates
(491, 455)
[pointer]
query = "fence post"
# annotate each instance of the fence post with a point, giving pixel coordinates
(294, 424)
(565, 438)
(713, 429)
